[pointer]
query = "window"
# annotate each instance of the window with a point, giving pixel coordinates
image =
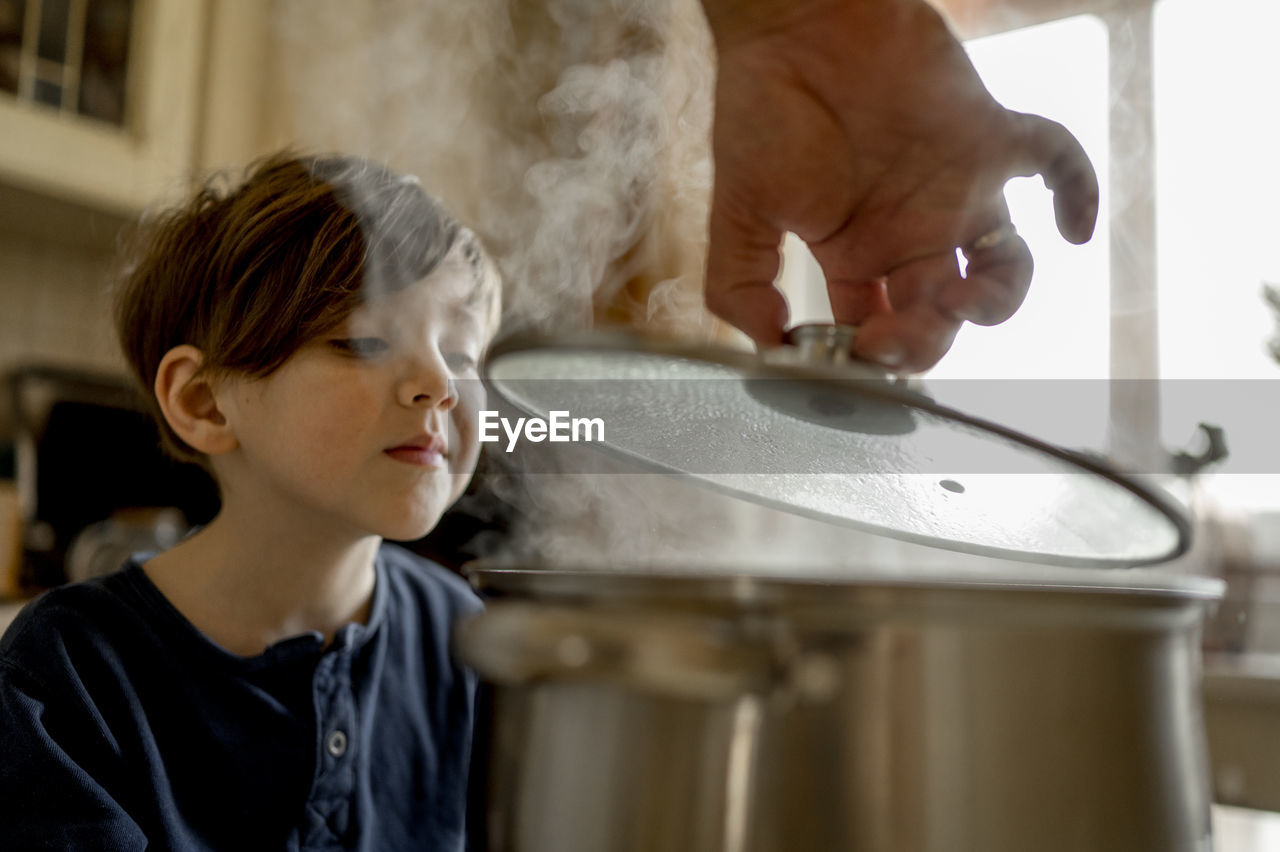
(1059, 70)
(1217, 114)
(1176, 103)
(70, 55)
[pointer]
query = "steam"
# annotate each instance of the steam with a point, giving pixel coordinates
(627, 520)
(574, 137)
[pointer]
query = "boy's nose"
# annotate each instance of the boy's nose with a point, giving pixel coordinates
(427, 385)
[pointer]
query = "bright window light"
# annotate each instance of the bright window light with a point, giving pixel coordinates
(1062, 331)
(1217, 110)
(1059, 70)
(1218, 184)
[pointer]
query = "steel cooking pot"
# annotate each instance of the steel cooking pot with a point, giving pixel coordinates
(689, 713)
(1012, 710)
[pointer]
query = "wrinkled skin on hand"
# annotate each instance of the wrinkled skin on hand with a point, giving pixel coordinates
(861, 126)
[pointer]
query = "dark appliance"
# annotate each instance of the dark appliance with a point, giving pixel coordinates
(86, 451)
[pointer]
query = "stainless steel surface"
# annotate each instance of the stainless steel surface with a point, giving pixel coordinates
(102, 547)
(838, 446)
(823, 343)
(911, 716)
(1242, 720)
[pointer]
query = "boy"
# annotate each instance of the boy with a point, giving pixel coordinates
(282, 678)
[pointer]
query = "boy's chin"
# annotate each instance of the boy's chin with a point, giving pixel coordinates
(411, 520)
(410, 529)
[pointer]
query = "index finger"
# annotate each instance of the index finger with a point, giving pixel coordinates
(743, 257)
(1048, 149)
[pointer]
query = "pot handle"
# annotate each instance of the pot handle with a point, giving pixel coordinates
(670, 654)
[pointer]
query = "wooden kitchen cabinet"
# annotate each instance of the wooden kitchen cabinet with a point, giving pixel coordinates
(193, 101)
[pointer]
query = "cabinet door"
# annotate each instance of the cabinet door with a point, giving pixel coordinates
(117, 167)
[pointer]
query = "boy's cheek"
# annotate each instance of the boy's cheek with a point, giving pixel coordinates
(472, 399)
(464, 437)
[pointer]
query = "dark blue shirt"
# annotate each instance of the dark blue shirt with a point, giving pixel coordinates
(121, 725)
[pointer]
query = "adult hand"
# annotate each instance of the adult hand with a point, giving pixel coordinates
(862, 127)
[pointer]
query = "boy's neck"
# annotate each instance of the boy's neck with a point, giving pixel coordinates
(246, 586)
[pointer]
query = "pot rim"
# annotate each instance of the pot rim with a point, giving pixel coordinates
(1125, 588)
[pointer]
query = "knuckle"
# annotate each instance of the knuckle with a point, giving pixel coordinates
(719, 301)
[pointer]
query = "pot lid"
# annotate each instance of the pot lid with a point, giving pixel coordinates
(806, 430)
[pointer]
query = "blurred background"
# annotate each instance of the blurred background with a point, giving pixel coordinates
(572, 135)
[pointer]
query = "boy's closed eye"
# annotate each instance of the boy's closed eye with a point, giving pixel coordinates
(372, 348)
(361, 347)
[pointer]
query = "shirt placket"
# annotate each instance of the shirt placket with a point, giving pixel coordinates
(331, 807)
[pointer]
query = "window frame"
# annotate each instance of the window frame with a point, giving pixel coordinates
(1134, 434)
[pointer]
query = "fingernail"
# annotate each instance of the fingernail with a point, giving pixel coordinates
(1089, 219)
(889, 354)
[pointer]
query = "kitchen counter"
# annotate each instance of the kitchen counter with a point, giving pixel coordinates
(9, 611)
(1242, 723)
(1242, 830)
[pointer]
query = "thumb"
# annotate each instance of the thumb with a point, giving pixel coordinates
(1050, 150)
(742, 263)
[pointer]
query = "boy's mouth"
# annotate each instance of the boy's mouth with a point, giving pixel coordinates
(422, 451)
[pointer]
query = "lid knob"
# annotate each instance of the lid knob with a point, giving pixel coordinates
(822, 342)
(824, 345)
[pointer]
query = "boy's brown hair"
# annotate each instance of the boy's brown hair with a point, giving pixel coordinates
(249, 273)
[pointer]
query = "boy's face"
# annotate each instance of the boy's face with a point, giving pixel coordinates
(372, 426)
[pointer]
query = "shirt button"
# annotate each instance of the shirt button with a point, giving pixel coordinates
(337, 743)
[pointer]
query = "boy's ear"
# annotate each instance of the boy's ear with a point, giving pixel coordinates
(189, 404)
